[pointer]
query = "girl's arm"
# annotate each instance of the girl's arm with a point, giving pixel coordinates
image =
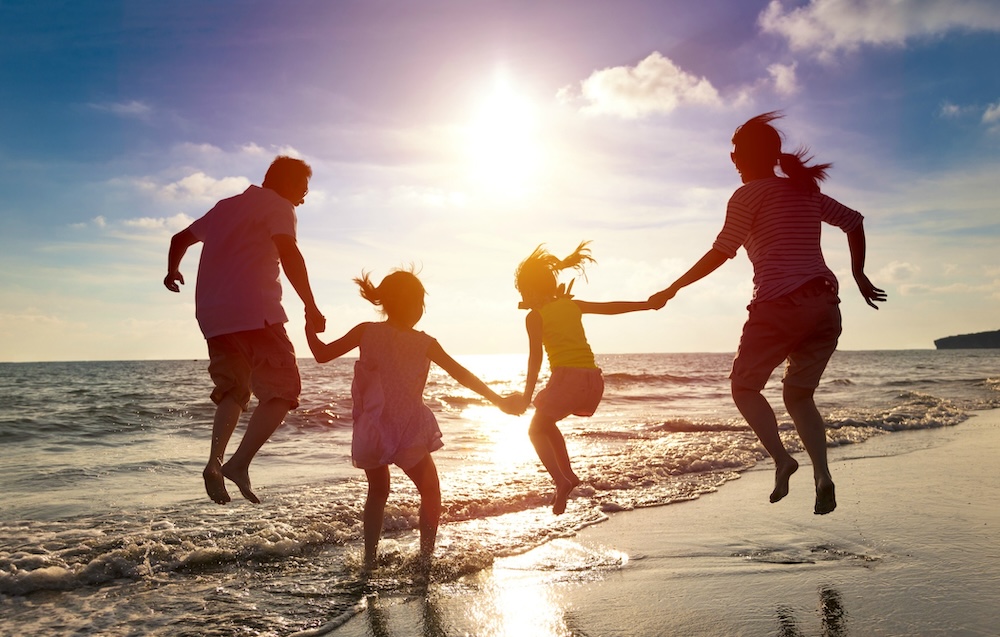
(533, 324)
(324, 352)
(455, 369)
(613, 307)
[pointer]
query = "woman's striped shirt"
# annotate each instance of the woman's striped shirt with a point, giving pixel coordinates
(779, 224)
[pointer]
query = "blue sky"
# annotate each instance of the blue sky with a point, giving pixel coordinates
(458, 135)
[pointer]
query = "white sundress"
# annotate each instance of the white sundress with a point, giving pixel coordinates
(392, 425)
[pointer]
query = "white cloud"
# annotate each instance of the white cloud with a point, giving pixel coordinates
(992, 114)
(898, 272)
(829, 26)
(785, 82)
(196, 188)
(654, 85)
(252, 148)
(133, 108)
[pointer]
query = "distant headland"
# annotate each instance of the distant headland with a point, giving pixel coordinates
(979, 340)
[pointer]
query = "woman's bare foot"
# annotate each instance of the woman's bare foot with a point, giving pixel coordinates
(782, 473)
(562, 495)
(826, 500)
(215, 482)
(241, 478)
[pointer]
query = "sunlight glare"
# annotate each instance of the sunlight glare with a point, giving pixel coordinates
(503, 142)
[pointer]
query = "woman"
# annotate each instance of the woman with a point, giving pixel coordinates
(794, 314)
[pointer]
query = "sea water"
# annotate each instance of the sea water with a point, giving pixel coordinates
(105, 528)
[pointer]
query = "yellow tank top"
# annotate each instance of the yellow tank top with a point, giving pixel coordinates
(563, 336)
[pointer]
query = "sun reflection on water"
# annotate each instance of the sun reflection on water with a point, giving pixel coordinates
(523, 594)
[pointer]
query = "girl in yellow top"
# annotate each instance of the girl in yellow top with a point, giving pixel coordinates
(575, 385)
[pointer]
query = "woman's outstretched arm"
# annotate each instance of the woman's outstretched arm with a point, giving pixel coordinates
(706, 265)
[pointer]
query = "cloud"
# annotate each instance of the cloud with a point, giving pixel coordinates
(132, 109)
(825, 27)
(174, 223)
(992, 116)
(898, 272)
(785, 82)
(654, 85)
(195, 188)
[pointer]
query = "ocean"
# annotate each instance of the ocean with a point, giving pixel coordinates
(105, 528)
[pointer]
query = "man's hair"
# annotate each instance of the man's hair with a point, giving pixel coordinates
(285, 171)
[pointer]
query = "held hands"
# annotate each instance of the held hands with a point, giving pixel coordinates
(513, 404)
(869, 291)
(315, 321)
(658, 300)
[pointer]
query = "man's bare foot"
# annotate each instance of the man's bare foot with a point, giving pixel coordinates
(241, 478)
(826, 500)
(562, 495)
(215, 482)
(781, 475)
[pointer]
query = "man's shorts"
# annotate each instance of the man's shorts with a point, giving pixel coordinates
(801, 327)
(261, 362)
(571, 390)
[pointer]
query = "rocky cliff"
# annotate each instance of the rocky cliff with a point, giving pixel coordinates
(979, 340)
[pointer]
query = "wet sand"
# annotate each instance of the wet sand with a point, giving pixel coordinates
(912, 549)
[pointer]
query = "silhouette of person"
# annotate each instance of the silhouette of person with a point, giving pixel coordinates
(392, 425)
(576, 385)
(238, 307)
(794, 314)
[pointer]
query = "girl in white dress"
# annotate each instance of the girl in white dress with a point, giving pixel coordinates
(392, 425)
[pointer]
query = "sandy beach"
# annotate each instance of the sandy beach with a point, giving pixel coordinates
(913, 549)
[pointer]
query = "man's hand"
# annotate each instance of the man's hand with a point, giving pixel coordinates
(172, 279)
(315, 320)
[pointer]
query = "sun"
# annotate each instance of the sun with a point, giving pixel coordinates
(504, 149)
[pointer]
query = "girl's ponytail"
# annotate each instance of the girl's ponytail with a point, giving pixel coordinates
(368, 290)
(577, 260)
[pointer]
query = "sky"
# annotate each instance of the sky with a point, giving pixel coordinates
(455, 136)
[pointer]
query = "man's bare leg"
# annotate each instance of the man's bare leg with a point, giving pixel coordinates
(227, 415)
(264, 421)
(759, 415)
(812, 430)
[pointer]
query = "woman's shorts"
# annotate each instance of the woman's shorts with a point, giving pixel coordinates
(573, 391)
(801, 327)
(261, 362)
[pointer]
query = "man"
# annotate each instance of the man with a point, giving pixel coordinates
(238, 307)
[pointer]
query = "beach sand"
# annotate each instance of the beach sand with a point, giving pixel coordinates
(912, 549)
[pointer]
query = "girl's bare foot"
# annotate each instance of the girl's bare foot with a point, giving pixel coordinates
(215, 482)
(241, 478)
(562, 495)
(826, 500)
(782, 473)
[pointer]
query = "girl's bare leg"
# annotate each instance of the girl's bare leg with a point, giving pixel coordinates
(378, 494)
(425, 477)
(551, 449)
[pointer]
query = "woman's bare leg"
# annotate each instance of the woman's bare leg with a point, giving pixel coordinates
(812, 430)
(759, 415)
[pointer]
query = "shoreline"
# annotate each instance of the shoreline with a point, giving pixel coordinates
(911, 550)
